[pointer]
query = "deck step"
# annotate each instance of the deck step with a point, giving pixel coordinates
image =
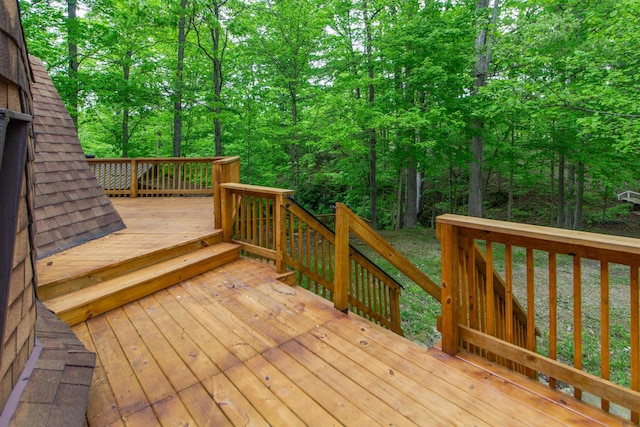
(66, 285)
(90, 301)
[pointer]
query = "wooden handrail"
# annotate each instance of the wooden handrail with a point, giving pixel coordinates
(347, 221)
(469, 320)
(270, 225)
(169, 176)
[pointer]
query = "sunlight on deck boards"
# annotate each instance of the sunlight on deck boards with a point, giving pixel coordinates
(152, 224)
(236, 347)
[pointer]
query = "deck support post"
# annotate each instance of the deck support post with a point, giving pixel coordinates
(342, 261)
(450, 299)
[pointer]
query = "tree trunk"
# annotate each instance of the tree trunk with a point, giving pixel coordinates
(577, 221)
(177, 103)
(399, 204)
(72, 40)
(571, 196)
(481, 71)
(411, 218)
(561, 185)
(294, 136)
(126, 71)
(217, 81)
(373, 191)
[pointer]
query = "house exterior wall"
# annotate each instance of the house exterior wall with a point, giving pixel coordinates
(19, 314)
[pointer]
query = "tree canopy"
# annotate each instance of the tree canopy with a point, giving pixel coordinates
(402, 109)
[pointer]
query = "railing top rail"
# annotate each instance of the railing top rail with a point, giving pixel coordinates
(622, 250)
(255, 189)
(388, 252)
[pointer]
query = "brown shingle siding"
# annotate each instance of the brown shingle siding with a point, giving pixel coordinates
(68, 196)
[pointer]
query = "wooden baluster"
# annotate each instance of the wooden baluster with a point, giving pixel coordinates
(604, 326)
(508, 293)
(553, 311)
(489, 296)
(279, 206)
(577, 318)
(531, 307)
(635, 336)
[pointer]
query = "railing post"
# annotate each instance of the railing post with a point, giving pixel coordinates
(341, 280)
(450, 299)
(133, 186)
(280, 231)
(216, 173)
(226, 213)
(223, 170)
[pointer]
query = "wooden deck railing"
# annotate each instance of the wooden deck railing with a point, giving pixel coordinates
(472, 317)
(270, 225)
(158, 177)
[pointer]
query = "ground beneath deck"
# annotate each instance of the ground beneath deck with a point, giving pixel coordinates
(236, 347)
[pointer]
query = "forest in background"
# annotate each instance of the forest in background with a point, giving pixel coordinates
(401, 109)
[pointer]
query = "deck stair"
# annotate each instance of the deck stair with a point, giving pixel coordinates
(80, 298)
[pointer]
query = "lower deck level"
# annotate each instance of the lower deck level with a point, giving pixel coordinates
(236, 347)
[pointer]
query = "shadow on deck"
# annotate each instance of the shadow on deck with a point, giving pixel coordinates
(234, 346)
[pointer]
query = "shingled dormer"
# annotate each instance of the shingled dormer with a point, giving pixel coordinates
(71, 207)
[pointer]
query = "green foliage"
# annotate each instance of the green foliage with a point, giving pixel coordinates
(294, 95)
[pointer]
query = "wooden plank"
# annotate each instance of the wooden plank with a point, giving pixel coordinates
(350, 390)
(128, 393)
(331, 400)
(262, 398)
(476, 402)
(584, 413)
(245, 332)
(234, 405)
(188, 350)
(310, 412)
(202, 407)
(612, 392)
(101, 407)
(615, 249)
(94, 300)
(149, 375)
(172, 412)
(143, 417)
(172, 366)
(398, 394)
(235, 345)
(206, 340)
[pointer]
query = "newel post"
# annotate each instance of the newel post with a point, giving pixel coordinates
(280, 231)
(341, 279)
(450, 296)
(133, 186)
(216, 174)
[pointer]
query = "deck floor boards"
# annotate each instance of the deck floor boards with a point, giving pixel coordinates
(169, 355)
(152, 224)
(234, 346)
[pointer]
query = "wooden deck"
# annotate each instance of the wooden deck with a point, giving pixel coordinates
(152, 224)
(234, 346)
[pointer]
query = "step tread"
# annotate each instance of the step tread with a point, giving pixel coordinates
(112, 286)
(127, 265)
